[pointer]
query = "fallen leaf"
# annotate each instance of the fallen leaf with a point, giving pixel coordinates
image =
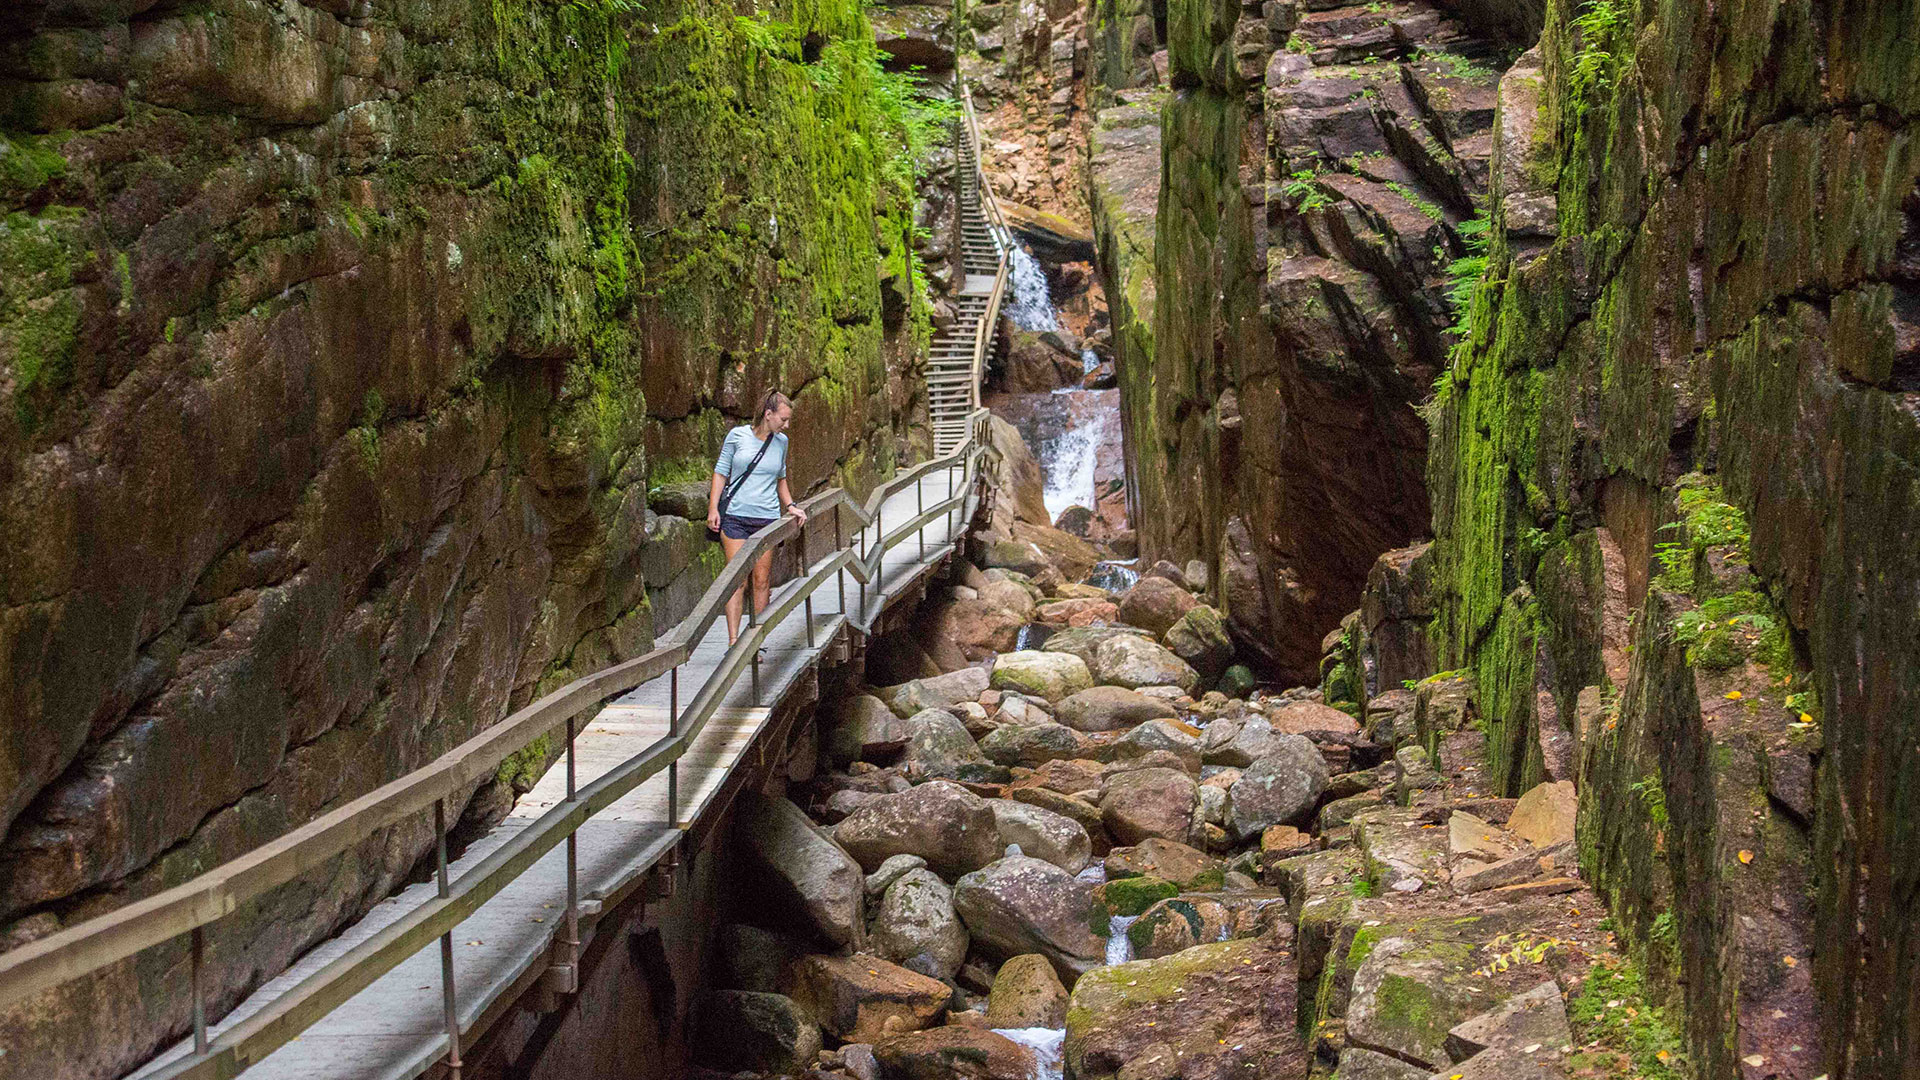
(1734, 695)
(1745, 855)
(1790, 961)
(1754, 1060)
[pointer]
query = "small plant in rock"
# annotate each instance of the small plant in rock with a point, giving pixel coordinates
(1304, 189)
(1364, 888)
(1621, 1031)
(1298, 44)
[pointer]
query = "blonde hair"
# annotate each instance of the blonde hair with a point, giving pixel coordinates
(773, 401)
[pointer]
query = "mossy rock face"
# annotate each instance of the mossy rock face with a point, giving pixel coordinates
(1134, 895)
(1408, 993)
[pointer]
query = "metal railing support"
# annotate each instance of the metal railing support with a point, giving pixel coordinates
(448, 1001)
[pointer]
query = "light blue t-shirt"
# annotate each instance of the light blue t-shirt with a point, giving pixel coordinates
(759, 495)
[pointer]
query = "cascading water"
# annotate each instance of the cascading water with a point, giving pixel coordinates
(1030, 304)
(1046, 1046)
(1070, 472)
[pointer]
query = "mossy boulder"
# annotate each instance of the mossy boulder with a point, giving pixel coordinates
(1134, 895)
(1049, 676)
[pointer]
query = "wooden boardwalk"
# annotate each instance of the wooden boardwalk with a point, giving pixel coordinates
(395, 1027)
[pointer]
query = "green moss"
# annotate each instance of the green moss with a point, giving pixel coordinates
(1134, 895)
(1614, 1016)
(523, 768)
(27, 164)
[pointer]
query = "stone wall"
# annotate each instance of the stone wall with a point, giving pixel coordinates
(340, 345)
(1676, 504)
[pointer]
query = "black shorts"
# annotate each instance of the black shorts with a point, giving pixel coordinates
(739, 528)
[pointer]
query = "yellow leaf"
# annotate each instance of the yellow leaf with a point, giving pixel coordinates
(1790, 961)
(1806, 718)
(1663, 1056)
(1733, 695)
(1746, 856)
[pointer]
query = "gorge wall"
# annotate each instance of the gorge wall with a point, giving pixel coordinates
(1320, 169)
(1650, 276)
(341, 345)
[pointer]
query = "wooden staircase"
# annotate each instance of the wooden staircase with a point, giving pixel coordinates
(956, 362)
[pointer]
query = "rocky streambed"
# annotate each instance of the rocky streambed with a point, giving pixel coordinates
(1114, 856)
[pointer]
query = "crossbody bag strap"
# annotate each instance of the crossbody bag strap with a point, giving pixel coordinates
(726, 495)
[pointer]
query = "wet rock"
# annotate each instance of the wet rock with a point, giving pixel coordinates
(1237, 681)
(1025, 905)
(742, 1030)
(1157, 737)
(1227, 1009)
(1178, 923)
(1536, 1018)
(1027, 994)
(1143, 803)
(804, 872)
(1043, 834)
(939, 692)
(861, 997)
(1111, 708)
(917, 928)
(889, 872)
(1134, 662)
(1544, 816)
(864, 729)
(1155, 604)
(1049, 676)
(1282, 788)
(953, 1053)
(1188, 868)
(1084, 641)
(1200, 638)
(939, 745)
(942, 822)
(1032, 744)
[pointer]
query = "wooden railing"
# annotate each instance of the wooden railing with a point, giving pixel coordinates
(996, 221)
(188, 908)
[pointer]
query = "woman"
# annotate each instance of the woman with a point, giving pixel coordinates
(751, 476)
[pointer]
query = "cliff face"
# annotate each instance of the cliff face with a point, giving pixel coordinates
(1321, 166)
(340, 344)
(1676, 502)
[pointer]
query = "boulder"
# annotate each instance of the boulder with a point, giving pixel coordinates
(1011, 595)
(953, 1052)
(1027, 994)
(1051, 237)
(889, 872)
(1417, 775)
(865, 729)
(1188, 868)
(1065, 777)
(915, 35)
(938, 745)
(1134, 895)
(1237, 743)
(1084, 641)
(1026, 905)
(1306, 717)
(1470, 837)
(1017, 485)
(861, 997)
(1050, 676)
(943, 823)
(748, 1031)
(1216, 1002)
(754, 959)
(1111, 708)
(1282, 788)
(917, 928)
(1163, 736)
(1064, 552)
(1032, 744)
(1360, 1064)
(804, 872)
(1081, 612)
(1409, 992)
(1200, 638)
(977, 628)
(1084, 814)
(939, 692)
(1176, 924)
(1237, 681)
(1144, 803)
(1043, 834)
(1133, 662)
(1544, 816)
(1155, 604)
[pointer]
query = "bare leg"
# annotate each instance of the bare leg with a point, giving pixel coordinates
(731, 546)
(762, 574)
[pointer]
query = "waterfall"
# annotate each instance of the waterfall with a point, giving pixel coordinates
(1119, 949)
(1088, 359)
(1031, 304)
(1069, 472)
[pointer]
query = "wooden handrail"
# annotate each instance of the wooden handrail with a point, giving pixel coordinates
(80, 950)
(1003, 239)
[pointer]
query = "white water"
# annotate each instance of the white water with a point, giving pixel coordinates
(1088, 359)
(1045, 1044)
(1069, 470)
(1119, 949)
(1031, 305)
